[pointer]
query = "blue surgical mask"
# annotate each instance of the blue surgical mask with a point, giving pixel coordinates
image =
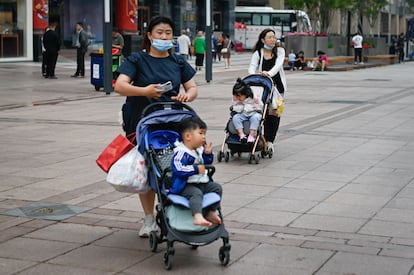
(162, 45)
(267, 47)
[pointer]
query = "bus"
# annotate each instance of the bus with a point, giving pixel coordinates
(250, 21)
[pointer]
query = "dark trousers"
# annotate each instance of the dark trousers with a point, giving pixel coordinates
(80, 61)
(194, 193)
(51, 59)
(358, 54)
(44, 63)
(400, 55)
(199, 59)
(271, 126)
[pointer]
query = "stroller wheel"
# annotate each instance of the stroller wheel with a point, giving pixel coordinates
(227, 157)
(153, 241)
(224, 255)
(167, 261)
(251, 158)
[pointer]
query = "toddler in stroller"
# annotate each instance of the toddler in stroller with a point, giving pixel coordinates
(251, 99)
(167, 159)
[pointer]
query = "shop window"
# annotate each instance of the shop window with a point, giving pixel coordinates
(12, 28)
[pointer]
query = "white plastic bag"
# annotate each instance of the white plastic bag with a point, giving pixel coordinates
(129, 174)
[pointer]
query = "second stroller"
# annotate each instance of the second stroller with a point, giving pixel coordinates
(251, 99)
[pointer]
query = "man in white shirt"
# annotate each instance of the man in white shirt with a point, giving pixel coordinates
(357, 42)
(184, 44)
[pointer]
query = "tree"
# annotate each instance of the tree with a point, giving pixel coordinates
(320, 11)
(370, 10)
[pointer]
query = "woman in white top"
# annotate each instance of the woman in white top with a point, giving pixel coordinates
(267, 59)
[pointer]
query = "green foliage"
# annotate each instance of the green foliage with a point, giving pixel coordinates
(330, 45)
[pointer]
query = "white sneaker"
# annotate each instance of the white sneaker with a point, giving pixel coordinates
(270, 147)
(362, 63)
(148, 226)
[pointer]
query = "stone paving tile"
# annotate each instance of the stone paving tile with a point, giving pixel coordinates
(344, 210)
(128, 203)
(307, 260)
(295, 193)
(353, 236)
(321, 185)
(328, 223)
(400, 252)
(73, 233)
(34, 249)
(203, 260)
(124, 238)
(251, 190)
(11, 266)
(13, 232)
(340, 247)
(371, 189)
(283, 229)
(358, 199)
(262, 180)
(407, 192)
(388, 228)
(62, 270)
(236, 200)
(119, 224)
(401, 203)
(402, 241)
(347, 263)
(100, 258)
(36, 223)
(398, 215)
(288, 205)
(268, 217)
(29, 193)
(11, 221)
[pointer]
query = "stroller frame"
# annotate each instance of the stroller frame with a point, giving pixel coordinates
(259, 144)
(159, 169)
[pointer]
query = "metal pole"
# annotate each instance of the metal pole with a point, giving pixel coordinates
(209, 61)
(107, 46)
(348, 50)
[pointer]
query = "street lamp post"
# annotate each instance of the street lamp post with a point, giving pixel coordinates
(107, 46)
(209, 61)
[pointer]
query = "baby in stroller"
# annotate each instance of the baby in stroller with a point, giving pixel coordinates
(189, 175)
(247, 107)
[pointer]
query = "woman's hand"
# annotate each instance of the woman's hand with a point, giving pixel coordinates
(181, 97)
(265, 73)
(153, 91)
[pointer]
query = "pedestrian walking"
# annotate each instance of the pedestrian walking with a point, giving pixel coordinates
(199, 50)
(184, 44)
(140, 78)
(268, 59)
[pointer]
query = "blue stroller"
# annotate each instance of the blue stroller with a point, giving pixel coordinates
(263, 88)
(156, 135)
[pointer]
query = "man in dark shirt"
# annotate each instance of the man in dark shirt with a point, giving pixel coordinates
(51, 43)
(81, 45)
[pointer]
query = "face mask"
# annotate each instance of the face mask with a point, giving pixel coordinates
(162, 45)
(268, 47)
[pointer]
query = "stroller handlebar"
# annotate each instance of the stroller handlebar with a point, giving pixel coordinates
(165, 105)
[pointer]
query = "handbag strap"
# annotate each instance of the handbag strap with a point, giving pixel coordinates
(131, 137)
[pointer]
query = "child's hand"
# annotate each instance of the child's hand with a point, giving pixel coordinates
(201, 169)
(208, 148)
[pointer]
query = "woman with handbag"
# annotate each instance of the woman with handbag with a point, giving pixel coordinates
(140, 79)
(225, 51)
(267, 59)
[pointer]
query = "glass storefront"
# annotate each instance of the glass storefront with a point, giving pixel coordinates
(16, 30)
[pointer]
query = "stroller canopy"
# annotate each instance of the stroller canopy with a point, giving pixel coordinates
(258, 80)
(158, 118)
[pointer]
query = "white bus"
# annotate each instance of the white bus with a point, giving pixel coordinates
(250, 21)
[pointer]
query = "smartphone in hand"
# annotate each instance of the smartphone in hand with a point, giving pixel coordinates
(167, 86)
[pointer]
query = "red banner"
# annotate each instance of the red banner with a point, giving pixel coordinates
(40, 14)
(127, 15)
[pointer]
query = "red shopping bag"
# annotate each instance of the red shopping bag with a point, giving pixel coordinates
(115, 150)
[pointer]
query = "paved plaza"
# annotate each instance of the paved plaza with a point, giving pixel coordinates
(336, 198)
